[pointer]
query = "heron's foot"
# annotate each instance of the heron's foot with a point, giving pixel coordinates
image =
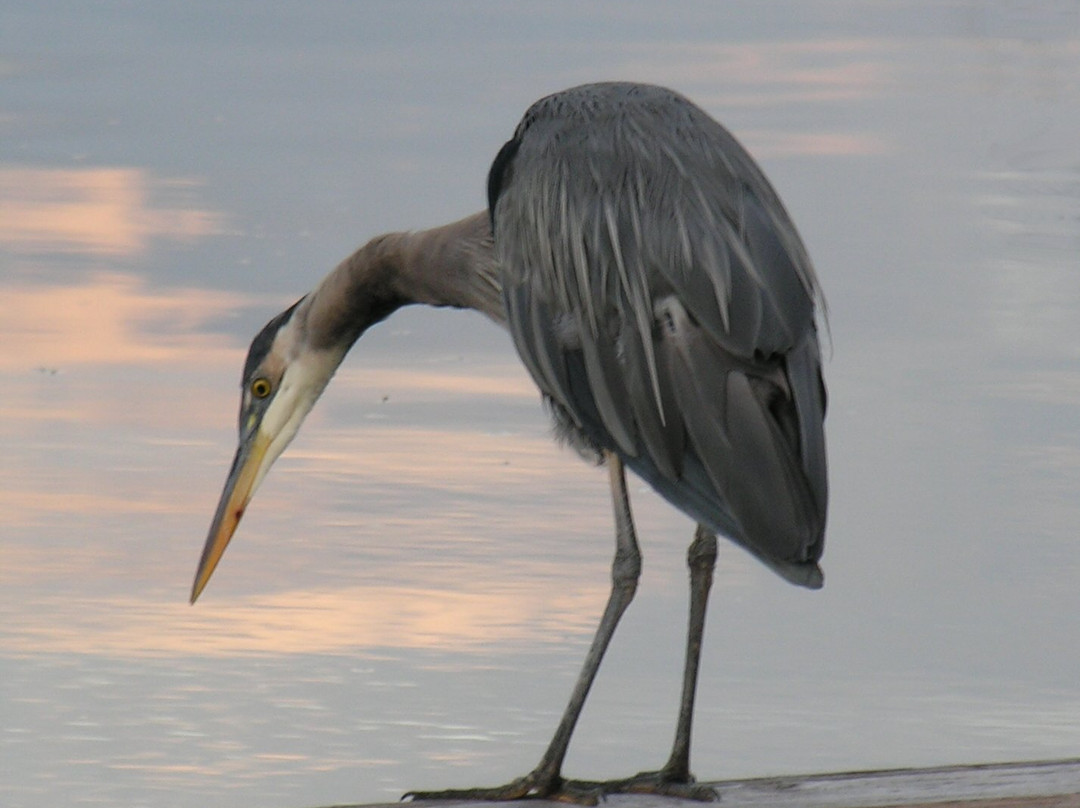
(535, 785)
(662, 783)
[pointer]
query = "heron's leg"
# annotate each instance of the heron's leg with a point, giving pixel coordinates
(674, 779)
(701, 559)
(625, 571)
(546, 779)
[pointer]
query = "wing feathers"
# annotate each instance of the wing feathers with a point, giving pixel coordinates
(660, 296)
(733, 415)
(605, 380)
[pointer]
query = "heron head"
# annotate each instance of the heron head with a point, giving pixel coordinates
(283, 377)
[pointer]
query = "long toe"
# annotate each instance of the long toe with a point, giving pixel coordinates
(515, 790)
(531, 786)
(659, 783)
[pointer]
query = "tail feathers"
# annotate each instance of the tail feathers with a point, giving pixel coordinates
(759, 439)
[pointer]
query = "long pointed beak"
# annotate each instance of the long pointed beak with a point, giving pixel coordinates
(244, 476)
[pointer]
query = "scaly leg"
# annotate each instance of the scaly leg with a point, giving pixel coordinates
(546, 779)
(675, 779)
(701, 558)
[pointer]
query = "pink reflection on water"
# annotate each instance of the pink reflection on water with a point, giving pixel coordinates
(310, 621)
(96, 211)
(109, 319)
(773, 73)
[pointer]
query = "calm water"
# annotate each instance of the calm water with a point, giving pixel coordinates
(410, 595)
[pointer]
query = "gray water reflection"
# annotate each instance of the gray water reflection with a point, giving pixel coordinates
(410, 596)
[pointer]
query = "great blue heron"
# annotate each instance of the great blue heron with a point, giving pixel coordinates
(663, 302)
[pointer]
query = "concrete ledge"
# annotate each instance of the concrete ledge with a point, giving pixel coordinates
(1042, 784)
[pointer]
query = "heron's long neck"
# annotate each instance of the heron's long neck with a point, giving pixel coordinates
(452, 265)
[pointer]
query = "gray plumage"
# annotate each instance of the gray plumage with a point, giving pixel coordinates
(663, 301)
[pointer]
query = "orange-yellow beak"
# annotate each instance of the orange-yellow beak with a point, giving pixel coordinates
(247, 471)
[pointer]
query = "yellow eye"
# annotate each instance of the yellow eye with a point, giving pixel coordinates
(260, 388)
